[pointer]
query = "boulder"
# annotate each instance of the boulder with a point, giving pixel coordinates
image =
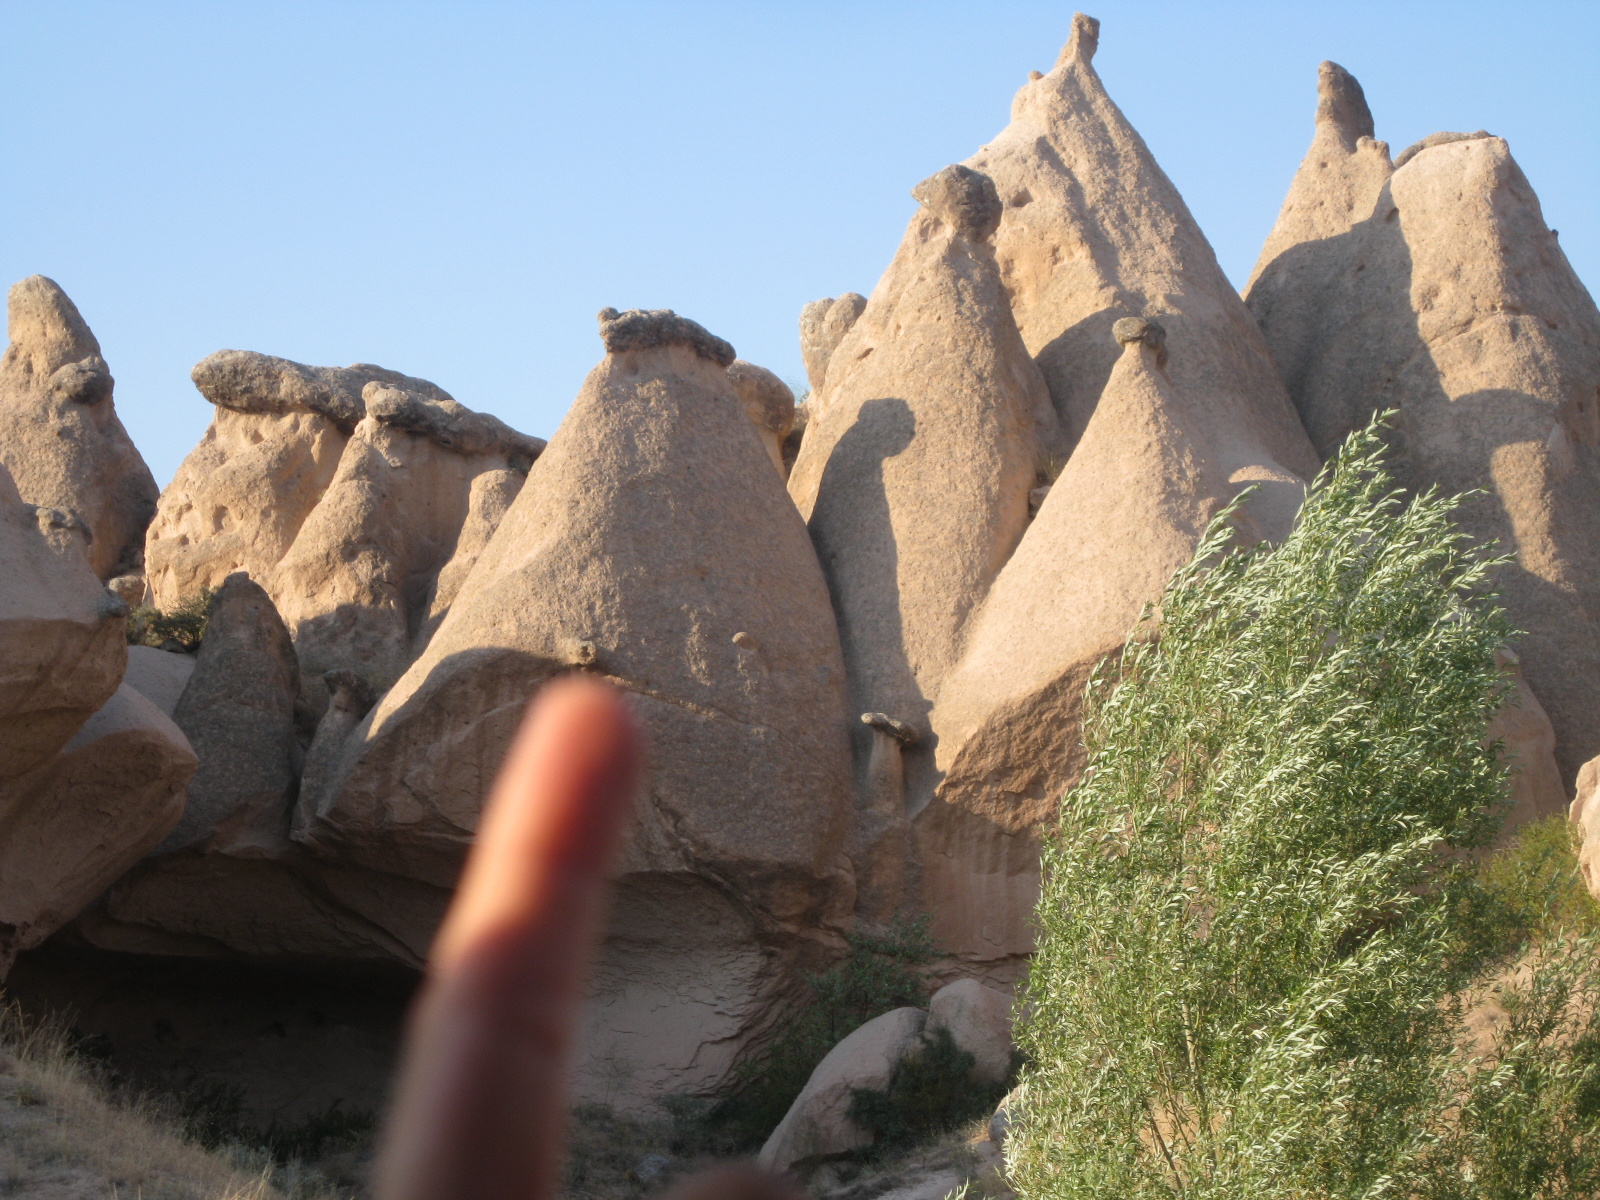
(63, 645)
(919, 456)
(768, 403)
(70, 827)
(1152, 468)
(817, 1124)
(979, 1021)
(1585, 814)
(344, 491)
(159, 675)
(59, 433)
(1093, 231)
(653, 544)
(1441, 293)
(823, 324)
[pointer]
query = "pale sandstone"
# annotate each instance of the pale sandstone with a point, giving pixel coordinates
(818, 1124)
(655, 545)
(1092, 231)
(63, 647)
(1585, 814)
(1449, 299)
(823, 324)
(768, 403)
(979, 1021)
(1529, 750)
(919, 456)
(1145, 479)
(158, 675)
(59, 433)
(72, 826)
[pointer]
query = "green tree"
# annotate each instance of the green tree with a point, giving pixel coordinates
(1258, 932)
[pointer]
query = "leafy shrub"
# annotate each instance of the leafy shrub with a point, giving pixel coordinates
(880, 974)
(1536, 886)
(185, 624)
(931, 1092)
(1257, 937)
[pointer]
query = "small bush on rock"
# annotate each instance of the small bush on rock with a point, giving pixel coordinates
(185, 624)
(1260, 939)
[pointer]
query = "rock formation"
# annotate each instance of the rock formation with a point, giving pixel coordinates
(919, 456)
(654, 544)
(1435, 288)
(768, 403)
(62, 643)
(59, 433)
(979, 1021)
(1585, 814)
(823, 324)
(345, 492)
(1092, 231)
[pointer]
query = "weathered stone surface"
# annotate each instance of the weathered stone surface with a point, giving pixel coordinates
(63, 647)
(1585, 814)
(59, 433)
(158, 675)
(1529, 741)
(979, 1021)
(345, 492)
(823, 324)
(1153, 467)
(653, 543)
(71, 826)
(768, 403)
(817, 1124)
(919, 456)
(1438, 290)
(1093, 230)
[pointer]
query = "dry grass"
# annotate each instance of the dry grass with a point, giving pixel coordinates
(65, 1134)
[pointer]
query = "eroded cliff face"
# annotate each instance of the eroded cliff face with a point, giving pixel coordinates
(1433, 287)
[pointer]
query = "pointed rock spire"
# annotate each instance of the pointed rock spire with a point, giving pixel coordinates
(59, 433)
(1093, 230)
(921, 451)
(1450, 300)
(653, 544)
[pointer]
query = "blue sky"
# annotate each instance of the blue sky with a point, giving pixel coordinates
(454, 189)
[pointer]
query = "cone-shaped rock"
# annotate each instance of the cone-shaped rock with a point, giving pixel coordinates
(59, 433)
(654, 544)
(920, 453)
(1128, 510)
(63, 644)
(768, 403)
(343, 491)
(1093, 231)
(1450, 300)
(70, 827)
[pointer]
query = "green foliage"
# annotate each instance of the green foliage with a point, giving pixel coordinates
(1256, 940)
(1535, 884)
(931, 1092)
(185, 624)
(880, 974)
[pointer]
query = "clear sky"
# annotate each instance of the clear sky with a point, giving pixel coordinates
(453, 189)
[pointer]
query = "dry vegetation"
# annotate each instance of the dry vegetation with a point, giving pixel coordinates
(67, 1134)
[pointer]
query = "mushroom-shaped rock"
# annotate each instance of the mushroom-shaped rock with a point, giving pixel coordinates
(70, 827)
(768, 403)
(59, 433)
(655, 545)
(1439, 291)
(823, 324)
(1128, 510)
(346, 492)
(1093, 230)
(818, 1123)
(919, 456)
(63, 647)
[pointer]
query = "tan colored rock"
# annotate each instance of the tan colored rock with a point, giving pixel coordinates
(1450, 300)
(345, 491)
(1529, 740)
(653, 544)
(979, 1021)
(768, 403)
(823, 324)
(919, 456)
(159, 675)
(1585, 814)
(1150, 471)
(70, 827)
(59, 433)
(818, 1125)
(1093, 231)
(63, 646)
